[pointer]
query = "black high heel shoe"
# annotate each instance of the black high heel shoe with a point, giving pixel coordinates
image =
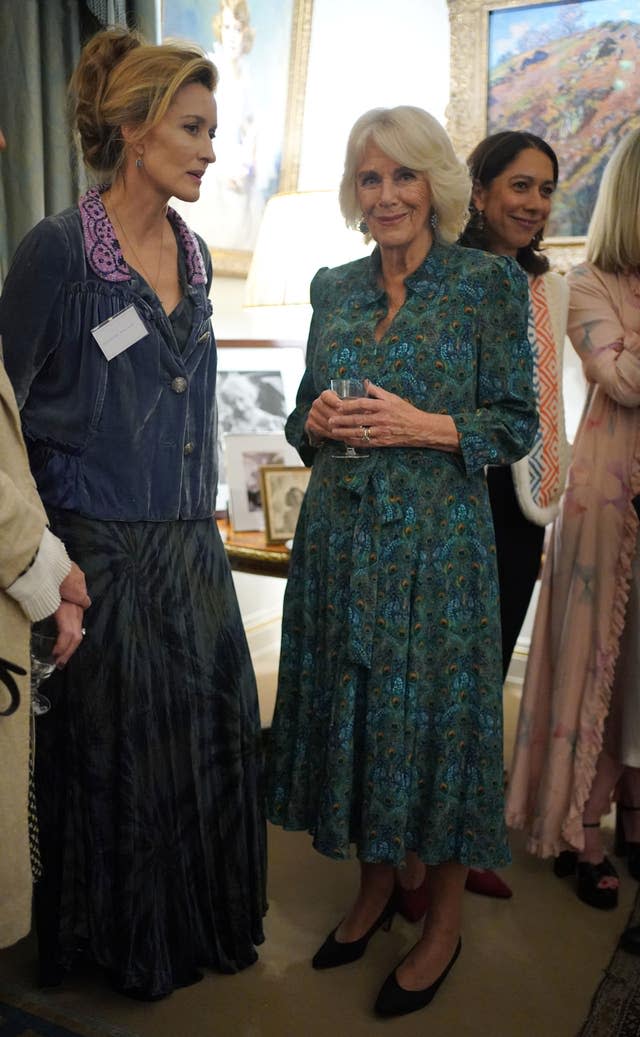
(591, 875)
(332, 953)
(395, 1000)
(588, 887)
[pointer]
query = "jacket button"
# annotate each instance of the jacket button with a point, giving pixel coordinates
(179, 384)
(188, 448)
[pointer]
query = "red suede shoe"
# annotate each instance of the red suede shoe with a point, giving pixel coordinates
(412, 904)
(487, 883)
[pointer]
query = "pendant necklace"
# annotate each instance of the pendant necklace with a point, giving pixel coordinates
(152, 284)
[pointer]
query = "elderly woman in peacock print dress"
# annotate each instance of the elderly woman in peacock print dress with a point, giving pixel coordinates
(388, 725)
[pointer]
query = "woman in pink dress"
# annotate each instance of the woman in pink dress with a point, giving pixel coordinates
(578, 736)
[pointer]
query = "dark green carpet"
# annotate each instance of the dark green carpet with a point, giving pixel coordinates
(615, 1009)
(23, 1017)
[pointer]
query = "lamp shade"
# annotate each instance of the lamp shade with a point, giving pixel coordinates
(300, 232)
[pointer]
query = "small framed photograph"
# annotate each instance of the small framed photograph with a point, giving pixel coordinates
(256, 391)
(244, 457)
(283, 490)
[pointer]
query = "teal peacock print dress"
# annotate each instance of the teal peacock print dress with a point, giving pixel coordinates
(387, 732)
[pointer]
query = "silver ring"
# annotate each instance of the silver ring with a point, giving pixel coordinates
(366, 432)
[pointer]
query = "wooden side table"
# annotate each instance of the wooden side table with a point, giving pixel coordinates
(250, 552)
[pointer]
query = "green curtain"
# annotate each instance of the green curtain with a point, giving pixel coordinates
(40, 41)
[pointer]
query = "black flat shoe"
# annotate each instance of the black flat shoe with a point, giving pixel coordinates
(630, 940)
(588, 886)
(332, 953)
(395, 1000)
(565, 864)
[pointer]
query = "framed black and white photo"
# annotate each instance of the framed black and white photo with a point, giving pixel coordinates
(283, 490)
(245, 455)
(256, 391)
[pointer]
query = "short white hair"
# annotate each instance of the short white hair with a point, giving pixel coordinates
(415, 139)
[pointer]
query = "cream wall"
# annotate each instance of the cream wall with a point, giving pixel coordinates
(363, 53)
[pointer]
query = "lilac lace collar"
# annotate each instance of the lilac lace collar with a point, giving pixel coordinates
(103, 251)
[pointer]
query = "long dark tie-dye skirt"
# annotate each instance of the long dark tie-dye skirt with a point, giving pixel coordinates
(148, 766)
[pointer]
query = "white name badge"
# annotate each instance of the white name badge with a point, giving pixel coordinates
(119, 332)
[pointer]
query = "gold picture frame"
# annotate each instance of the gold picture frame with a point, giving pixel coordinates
(234, 262)
(467, 112)
(283, 489)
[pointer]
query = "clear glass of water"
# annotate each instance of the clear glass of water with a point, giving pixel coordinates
(349, 389)
(43, 638)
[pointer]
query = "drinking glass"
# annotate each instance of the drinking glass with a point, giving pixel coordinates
(349, 389)
(43, 638)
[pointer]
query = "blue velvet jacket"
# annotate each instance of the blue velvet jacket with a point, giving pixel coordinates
(128, 439)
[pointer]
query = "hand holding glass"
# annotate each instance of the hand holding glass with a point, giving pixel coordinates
(349, 389)
(43, 638)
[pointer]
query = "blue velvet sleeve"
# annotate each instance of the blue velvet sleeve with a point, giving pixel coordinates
(31, 305)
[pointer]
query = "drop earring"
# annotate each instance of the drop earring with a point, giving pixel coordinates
(433, 219)
(476, 218)
(363, 226)
(139, 162)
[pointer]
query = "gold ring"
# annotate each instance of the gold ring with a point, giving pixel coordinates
(366, 432)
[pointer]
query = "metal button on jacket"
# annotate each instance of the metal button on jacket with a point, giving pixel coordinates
(179, 384)
(188, 448)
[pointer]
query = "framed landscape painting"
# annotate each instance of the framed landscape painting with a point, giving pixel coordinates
(567, 71)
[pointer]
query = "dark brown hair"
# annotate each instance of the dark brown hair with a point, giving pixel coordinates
(487, 160)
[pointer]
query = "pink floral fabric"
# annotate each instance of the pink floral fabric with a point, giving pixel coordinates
(585, 584)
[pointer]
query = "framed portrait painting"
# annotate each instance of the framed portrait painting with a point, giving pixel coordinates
(567, 71)
(260, 48)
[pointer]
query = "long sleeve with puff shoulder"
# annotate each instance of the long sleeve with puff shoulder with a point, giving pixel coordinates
(458, 346)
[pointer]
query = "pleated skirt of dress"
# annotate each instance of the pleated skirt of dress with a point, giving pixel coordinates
(149, 765)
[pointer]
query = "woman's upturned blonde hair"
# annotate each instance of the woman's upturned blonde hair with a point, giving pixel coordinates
(121, 80)
(415, 139)
(613, 239)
